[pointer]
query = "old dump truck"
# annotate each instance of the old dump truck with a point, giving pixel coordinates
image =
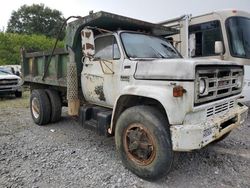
(122, 78)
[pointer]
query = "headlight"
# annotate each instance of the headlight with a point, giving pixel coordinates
(238, 82)
(202, 86)
(20, 81)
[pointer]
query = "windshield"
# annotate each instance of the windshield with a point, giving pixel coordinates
(145, 46)
(4, 72)
(238, 29)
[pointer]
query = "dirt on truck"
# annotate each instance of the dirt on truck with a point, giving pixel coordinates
(121, 78)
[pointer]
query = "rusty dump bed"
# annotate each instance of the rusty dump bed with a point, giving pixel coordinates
(33, 68)
(34, 64)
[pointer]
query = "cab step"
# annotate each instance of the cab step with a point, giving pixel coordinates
(96, 118)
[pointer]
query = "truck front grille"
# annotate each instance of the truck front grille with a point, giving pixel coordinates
(8, 82)
(224, 107)
(221, 81)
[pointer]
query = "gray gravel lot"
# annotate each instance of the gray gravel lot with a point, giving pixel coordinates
(66, 155)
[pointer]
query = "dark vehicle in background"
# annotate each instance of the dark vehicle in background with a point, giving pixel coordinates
(10, 83)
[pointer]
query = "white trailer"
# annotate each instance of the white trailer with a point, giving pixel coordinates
(220, 34)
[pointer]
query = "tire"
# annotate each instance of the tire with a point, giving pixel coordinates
(18, 94)
(56, 105)
(154, 162)
(40, 107)
(221, 138)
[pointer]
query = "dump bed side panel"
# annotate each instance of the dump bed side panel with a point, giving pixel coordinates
(34, 65)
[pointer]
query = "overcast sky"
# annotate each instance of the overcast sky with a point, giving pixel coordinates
(148, 10)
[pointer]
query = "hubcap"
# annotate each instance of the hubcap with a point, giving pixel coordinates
(35, 108)
(139, 144)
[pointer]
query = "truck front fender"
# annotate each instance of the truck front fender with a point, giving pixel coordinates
(175, 107)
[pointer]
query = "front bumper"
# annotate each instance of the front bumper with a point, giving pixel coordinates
(188, 137)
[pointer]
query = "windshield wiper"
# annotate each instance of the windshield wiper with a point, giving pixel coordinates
(158, 53)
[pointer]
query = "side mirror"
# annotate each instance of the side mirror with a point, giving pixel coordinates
(218, 47)
(88, 44)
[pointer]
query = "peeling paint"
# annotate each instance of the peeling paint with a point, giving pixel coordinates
(100, 93)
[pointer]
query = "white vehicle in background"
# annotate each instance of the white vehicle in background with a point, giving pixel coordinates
(10, 83)
(220, 34)
(15, 69)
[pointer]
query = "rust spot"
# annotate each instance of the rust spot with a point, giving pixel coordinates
(82, 33)
(87, 34)
(89, 46)
(99, 92)
(178, 91)
(139, 144)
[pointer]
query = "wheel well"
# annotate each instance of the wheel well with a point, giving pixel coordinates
(127, 101)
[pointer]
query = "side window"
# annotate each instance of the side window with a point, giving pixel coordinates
(106, 48)
(205, 35)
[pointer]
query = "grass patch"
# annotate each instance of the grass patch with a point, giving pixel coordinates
(10, 101)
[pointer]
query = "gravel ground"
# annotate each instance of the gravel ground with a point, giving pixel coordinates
(66, 155)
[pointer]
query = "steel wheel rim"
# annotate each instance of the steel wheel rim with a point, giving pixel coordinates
(139, 144)
(35, 108)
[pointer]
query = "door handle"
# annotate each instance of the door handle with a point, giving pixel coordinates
(127, 67)
(86, 65)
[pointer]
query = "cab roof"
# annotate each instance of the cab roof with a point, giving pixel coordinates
(113, 22)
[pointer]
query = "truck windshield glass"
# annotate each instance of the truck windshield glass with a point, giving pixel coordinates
(3, 72)
(144, 46)
(238, 29)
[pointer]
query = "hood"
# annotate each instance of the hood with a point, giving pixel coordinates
(9, 76)
(173, 69)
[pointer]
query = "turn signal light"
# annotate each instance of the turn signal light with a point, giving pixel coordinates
(178, 91)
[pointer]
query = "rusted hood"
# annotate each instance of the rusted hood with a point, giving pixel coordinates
(173, 69)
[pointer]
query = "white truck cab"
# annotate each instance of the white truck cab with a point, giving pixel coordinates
(123, 68)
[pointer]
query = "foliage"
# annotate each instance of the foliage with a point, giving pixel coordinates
(10, 45)
(36, 19)
(10, 101)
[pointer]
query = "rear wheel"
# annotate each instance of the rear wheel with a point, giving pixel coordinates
(56, 105)
(143, 142)
(40, 107)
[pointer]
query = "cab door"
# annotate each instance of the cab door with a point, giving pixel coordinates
(100, 75)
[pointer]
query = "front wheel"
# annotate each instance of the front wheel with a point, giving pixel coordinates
(143, 142)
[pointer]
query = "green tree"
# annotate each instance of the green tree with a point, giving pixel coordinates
(10, 45)
(36, 19)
